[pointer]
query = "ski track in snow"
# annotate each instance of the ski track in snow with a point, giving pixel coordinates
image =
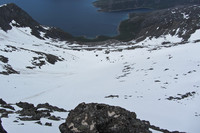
(142, 78)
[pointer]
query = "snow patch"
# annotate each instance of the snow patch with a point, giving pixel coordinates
(185, 16)
(3, 5)
(14, 22)
(46, 27)
(195, 36)
(158, 42)
(177, 31)
(173, 12)
(42, 34)
(1, 68)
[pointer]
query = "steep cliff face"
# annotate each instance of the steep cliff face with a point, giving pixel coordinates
(118, 5)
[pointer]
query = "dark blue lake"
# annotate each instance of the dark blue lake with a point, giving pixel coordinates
(77, 17)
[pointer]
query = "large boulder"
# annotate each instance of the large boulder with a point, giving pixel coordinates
(1, 128)
(102, 118)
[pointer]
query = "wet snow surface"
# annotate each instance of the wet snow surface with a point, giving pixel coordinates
(159, 82)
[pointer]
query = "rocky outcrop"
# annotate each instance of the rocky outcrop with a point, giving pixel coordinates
(85, 118)
(29, 112)
(1, 128)
(3, 59)
(182, 96)
(11, 13)
(120, 5)
(181, 21)
(3, 113)
(102, 118)
(5, 109)
(8, 70)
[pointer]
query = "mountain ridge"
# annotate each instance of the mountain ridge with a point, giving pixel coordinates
(137, 26)
(181, 21)
(11, 12)
(121, 5)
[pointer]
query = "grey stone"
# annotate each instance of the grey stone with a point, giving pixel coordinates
(102, 118)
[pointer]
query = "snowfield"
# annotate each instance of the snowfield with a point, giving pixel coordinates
(148, 80)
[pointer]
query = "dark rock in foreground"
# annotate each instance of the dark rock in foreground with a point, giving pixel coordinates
(36, 113)
(1, 128)
(102, 118)
(85, 118)
(28, 112)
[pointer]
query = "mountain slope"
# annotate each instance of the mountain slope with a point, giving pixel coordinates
(181, 21)
(157, 80)
(120, 5)
(12, 13)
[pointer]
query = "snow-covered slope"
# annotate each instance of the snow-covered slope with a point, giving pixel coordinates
(160, 82)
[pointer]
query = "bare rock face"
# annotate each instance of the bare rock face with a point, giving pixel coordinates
(1, 128)
(102, 118)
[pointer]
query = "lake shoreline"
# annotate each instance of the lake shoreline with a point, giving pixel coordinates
(125, 10)
(86, 21)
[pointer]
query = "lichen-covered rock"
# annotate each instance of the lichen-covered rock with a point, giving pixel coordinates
(1, 128)
(102, 118)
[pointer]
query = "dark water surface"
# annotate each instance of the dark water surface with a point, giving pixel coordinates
(77, 17)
